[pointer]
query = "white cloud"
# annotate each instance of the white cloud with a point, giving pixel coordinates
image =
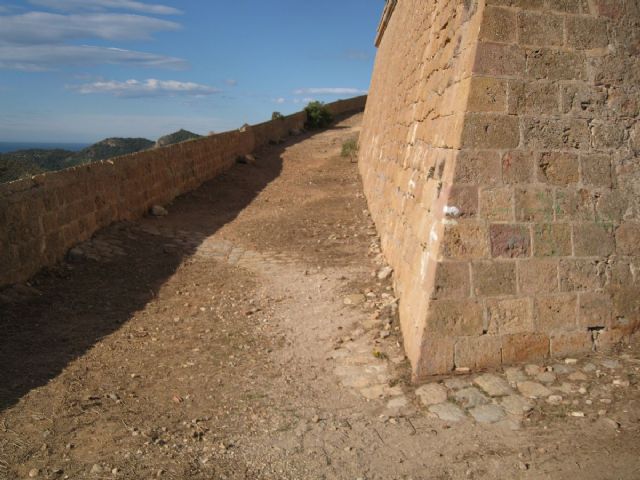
(36, 28)
(38, 58)
(279, 100)
(101, 5)
(146, 88)
(231, 82)
(329, 91)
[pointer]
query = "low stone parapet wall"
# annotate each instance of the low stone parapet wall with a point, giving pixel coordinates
(42, 217)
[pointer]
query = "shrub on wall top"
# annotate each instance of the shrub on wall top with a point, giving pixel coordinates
(318, 115)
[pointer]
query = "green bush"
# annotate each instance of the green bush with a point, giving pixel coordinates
(350, 148)
(277, 116)
(318, 116)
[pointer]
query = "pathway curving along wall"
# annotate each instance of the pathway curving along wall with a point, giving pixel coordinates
(42, 217)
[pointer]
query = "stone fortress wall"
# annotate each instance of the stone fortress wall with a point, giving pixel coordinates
(42, 217)
(500, 158)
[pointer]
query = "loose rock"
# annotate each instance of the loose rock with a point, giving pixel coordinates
(448, 412)
(487, 413)
(533, 390)
(431, 394)
(493, 385)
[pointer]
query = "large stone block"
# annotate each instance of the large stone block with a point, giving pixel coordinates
(555, 313)
(493, 278)
(552, 240)
(510, 240)
(540, 29)
(506, 316)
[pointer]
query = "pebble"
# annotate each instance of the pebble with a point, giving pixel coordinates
(578, 377)
(546, 377)
(159, 211)
(607, 422)
(533, 390)
(431, 394)
(385, 273)
(34, 472)
(96, 469)
(554, 399)
(397, 402)
(589, 367)
(487, 413)
(493, 385)
(562, 369)
(570, 361)
(533, 370)
(470, 397)
(354, 299)
(448, 412)
(516, 404)
(621, 383)
(611, 364)
(456, 383)
(577, 414)
(514, 375)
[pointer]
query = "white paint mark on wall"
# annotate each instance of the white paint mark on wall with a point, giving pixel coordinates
(451, 211)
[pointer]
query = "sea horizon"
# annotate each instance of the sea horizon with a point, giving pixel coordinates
(8, 147)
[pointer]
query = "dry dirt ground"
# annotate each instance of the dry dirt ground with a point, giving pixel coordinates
(246, 335)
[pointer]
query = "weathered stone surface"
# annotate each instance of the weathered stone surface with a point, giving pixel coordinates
(448, 412)
(516, 404)
(533, 390)
(487, 413)
(432, 394)
(493, 385)
(470, 397)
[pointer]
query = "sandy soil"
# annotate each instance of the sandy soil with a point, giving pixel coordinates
(247, 336)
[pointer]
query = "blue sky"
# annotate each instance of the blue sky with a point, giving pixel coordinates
(83, 70)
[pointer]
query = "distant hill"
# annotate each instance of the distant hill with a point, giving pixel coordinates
(26, 163)
(109, 148)
(176, 137)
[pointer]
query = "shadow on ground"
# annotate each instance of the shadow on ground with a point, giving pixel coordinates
(78, 304)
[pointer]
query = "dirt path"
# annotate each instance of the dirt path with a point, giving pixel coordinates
(247, 336)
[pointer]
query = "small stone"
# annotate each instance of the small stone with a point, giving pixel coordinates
(533, 390)
(447, 412)
(514, 375)
(606, 401)
(34, 472)
(493, 385)
(570, 361)
(611, 364)
(398, 402)
(621, 383)
(582, 391)
(516, 404)
(589, 367)
(546, 377)
(456, 383)
(76, 255)
(384, 334)
(470, 397)
(354, 299)
(607, 422)
(431, 394)
(96, 469)
(115, 471)
(577, 414)
(578, 377)
(562, 369)
(554, 400)
(533, 370)
(385, 273)
(487, 413)
(159, 211)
